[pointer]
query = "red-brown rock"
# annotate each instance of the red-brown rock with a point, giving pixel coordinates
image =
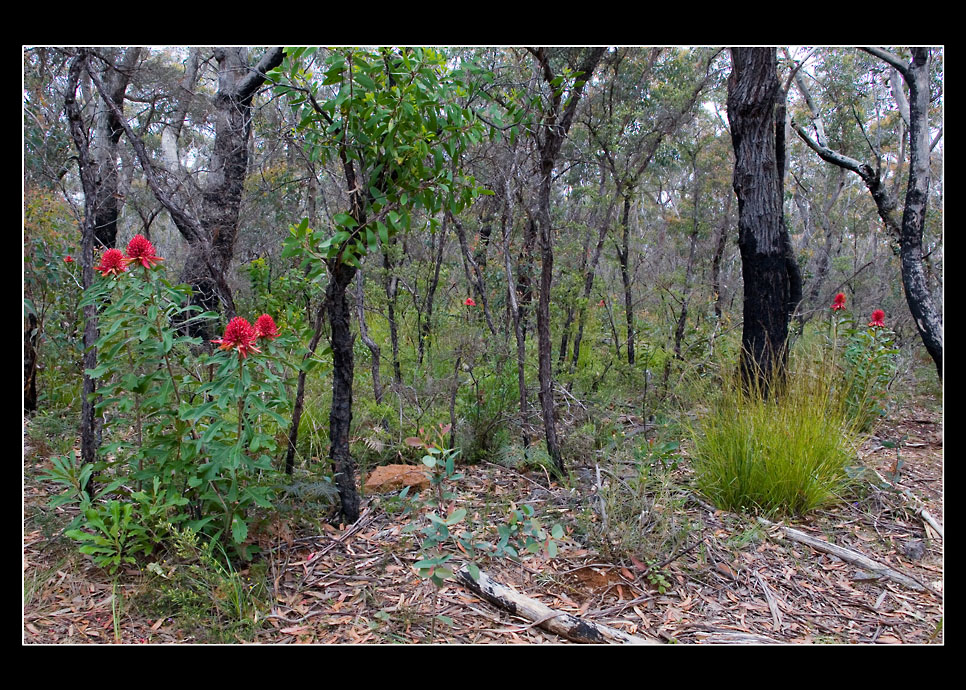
(392, 477)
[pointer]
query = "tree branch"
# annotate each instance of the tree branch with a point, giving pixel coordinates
(890, 58)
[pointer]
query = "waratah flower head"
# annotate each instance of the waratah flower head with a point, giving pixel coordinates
(878, 318)
(469, 302)
(839, 302)
(68, 259)
(112, 263)
(140, 250)
(239, 336)
(265, 327)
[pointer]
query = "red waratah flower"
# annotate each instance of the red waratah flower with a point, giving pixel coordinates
(113, 263)
(839, 302)
(878, 318)
(140, 250)
(68, 259)
(601, 303)
(469, 302)
(239, 335)
(265, 327)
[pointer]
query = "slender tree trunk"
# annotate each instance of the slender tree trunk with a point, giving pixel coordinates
(30, 336)
(513, 307)
(340, 414)
(719, 250)
(474, 275)
(98, 172)
(556, 124)
(293, 433)
(624, 257)
(545, 373)
(689, 271)
(370, 343)
(391, 285)
(589, 278)
(88, 430)
(426, 318)
(525, 275)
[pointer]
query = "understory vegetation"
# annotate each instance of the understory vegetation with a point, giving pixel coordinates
(421, 275)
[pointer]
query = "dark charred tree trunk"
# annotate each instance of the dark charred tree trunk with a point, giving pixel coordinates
(340, 414)
(108, 132)
(85, 165)
(753, 93)
(545, 373)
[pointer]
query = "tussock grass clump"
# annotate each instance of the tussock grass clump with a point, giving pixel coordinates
(781, 454)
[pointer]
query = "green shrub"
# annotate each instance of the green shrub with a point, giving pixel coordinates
(870, 361)
(195, 434)
(782, 455)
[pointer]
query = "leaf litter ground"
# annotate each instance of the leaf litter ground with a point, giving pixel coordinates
(735, 581)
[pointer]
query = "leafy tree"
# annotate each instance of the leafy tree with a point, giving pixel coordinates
(916, 74)
(390, 119)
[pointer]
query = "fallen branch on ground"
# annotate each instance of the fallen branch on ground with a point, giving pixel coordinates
(848, 555)
(563, 624)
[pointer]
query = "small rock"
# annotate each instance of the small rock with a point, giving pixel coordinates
(392, 477)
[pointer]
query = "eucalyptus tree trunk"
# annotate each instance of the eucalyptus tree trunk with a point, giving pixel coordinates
(426, 315)
(918, 297)
(238, 82)
(391, 286)
(98, 174)
(340, 414)
(623, 255)
(558, 118)
(107, 134)
(753, 93)
(513, 304)
(374, 349)
(909, 230)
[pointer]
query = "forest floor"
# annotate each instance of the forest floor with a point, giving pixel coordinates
(732, 579)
